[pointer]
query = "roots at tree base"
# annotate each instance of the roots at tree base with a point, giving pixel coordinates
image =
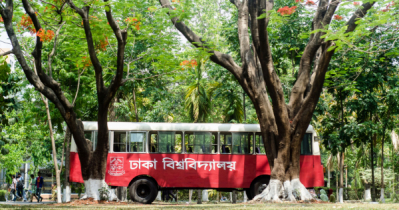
(93, 186)
(290, 190)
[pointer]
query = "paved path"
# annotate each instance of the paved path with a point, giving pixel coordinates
(25, 203)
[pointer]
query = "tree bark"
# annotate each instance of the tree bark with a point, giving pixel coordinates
(372, 168)
(54, 149)
(67, 188)
(382, 197)
(341, 177)
(135, 104)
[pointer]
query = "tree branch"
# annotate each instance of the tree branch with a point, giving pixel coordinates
(84, 14)
(121, 36)
(57, 33)
(222, 59)
(6, 53)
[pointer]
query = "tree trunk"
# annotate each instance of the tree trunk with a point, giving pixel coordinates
(135, 104)
(341, 177)
(329, 176)
(367, 193)
(382, 198)
(243, 105)
(67, 188)
(234, 199)
(57, 172)
(372, 169)
(199, 196)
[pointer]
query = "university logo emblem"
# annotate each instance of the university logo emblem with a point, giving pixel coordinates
(116, 166)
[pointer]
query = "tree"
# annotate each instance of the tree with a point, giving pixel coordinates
(93, 163)
(283, 125)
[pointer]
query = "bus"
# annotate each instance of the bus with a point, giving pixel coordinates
(147, 157)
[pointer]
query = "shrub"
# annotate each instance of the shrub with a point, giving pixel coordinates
(3, 194)
(324, 197)
(332, 198)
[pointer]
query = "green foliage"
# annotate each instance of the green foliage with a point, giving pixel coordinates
(3, 194)
(104, 192)
(324, 197)
(366, 176)
(332, 198)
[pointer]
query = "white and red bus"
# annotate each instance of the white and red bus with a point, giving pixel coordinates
(147, 157)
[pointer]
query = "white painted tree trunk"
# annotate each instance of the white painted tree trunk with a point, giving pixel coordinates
(159, 197)
(190, 194)
(93, 186)
(367, 194)
(245, 196)
(291, 190)
(205, 195)
(66, 195)
(382, 197)
(341, 195)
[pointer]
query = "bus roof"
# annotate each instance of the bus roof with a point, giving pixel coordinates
(200, 127)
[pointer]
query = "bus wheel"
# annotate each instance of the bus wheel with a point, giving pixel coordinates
(143, 190)
(248, 192)
(258, 186)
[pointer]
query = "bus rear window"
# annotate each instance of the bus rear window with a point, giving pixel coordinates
(306, 145)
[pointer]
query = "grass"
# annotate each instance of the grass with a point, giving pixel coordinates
(161, 205)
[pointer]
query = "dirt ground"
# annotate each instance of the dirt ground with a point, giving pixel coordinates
(89, 204)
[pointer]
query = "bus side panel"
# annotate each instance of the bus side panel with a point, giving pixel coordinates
(75, 172)
(311, 171)
(182, 170)
(262, 165)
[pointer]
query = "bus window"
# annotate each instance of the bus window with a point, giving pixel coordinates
(137, 141)
(242, 143)
(225, 143)
(166, 142)
(201, 142)
(119, 141)
(306, 145)
(259, 146)
(153, 142)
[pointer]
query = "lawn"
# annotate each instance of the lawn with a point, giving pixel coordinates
(161, 205)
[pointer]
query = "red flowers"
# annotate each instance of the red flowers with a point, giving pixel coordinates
(338, 17)
(193, 63)
(356, 3)
(86, 61)
(27, 24)
(134, 21)
(103, 44)
(310, 3)
(298, 1)
(287, 10)
(45, 36)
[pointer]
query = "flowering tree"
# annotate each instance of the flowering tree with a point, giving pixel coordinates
(283, 121)
(94, 37)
